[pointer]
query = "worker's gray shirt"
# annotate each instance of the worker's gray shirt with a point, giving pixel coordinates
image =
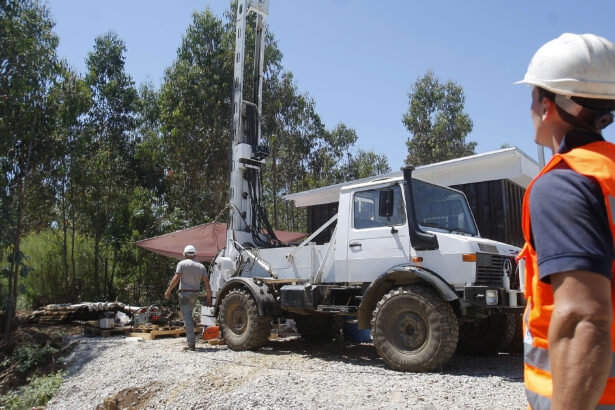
(192, 272)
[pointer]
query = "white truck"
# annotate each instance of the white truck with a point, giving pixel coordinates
(405, 258)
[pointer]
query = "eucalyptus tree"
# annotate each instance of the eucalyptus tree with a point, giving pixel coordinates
(29, 70)
(292, 130)
(107, 173)
(364, 164)
(437, 122)
(195, 119)
(195, 106)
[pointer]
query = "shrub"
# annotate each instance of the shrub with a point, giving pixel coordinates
(30, 357)
(37, 393)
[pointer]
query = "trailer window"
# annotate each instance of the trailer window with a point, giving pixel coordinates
(366, 205)
(440, 207)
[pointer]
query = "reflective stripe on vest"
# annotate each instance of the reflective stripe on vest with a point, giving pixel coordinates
(596, 160)
(539, 358)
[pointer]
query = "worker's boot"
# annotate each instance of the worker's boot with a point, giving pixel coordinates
(190, 348)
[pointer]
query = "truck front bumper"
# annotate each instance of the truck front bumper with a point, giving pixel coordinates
(494, 298)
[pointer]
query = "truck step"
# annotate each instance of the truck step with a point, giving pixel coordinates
(336, 308)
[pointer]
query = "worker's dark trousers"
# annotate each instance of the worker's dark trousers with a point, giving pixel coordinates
(186, 304)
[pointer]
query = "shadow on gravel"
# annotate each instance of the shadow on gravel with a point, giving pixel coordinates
(506, 366)
(359, 354)
(88, 349)
(201, 349)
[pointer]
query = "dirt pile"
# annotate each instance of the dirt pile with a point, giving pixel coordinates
(131, 398)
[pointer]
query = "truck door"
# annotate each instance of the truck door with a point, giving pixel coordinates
(372, 247)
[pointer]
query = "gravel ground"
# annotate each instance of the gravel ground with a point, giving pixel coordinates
(286, 373)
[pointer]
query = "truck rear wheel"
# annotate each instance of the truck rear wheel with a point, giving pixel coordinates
(487, 336)
(240, 325)
(317, 328)
(414, 329)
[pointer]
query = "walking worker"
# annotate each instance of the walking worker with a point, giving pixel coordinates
(568, 227)
(189, 274)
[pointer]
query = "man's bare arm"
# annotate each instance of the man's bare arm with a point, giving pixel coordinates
(206, 283)
(580, 338)
(173, 283)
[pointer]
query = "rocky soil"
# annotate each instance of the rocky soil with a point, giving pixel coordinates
(120, 372)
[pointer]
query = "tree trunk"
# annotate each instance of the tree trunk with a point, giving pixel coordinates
(110, 292)
(65, 242)
(136, 279)
(73, 293)
(15, 263)
(106, 280)
(96, 252)
(274, 189)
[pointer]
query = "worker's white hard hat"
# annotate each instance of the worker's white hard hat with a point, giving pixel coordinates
(581, 65)
(189, 250)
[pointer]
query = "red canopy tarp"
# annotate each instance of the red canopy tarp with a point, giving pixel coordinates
(208, 239)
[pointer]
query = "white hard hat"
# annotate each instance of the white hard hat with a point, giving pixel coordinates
(581, 65)
(189, 250)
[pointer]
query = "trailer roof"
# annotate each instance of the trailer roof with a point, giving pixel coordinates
(508, 163)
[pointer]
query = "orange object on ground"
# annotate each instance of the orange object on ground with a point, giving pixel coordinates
(211, 332)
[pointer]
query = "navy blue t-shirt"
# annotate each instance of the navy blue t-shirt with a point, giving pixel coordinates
(570, 227)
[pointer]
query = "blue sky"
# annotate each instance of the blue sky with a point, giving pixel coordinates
(358, 58)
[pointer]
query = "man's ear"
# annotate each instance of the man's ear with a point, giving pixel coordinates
(548, 108)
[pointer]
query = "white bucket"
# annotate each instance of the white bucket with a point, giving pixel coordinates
(106, 323)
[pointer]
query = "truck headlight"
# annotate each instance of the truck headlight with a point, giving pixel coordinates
(491, 297)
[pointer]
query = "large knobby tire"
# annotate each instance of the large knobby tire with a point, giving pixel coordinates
(516, 345)
(489, 336)
(240, 325)
(317, 328)
(414, 329)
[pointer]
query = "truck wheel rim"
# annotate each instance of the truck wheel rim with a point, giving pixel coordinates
(238, 320)
(411, 330)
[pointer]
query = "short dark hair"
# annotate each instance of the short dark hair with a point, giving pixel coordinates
(542, 93)
(595, 104)
(595, 108)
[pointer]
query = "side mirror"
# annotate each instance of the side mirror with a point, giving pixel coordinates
(385, 203)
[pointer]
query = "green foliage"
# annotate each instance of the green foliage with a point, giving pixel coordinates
(38, 392)
(91, 164)
(29, 357)
(365, 164)
(436, 120)
(29, 74)
(195, 102)
(45, 283)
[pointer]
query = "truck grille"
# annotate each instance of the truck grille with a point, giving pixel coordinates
(490, 269)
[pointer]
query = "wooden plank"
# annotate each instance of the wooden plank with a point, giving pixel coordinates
(153, 328)
(153, 334)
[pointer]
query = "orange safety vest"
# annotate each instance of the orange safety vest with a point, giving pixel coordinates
(595, 160)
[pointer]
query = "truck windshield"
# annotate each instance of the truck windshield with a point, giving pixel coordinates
(444, 208)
